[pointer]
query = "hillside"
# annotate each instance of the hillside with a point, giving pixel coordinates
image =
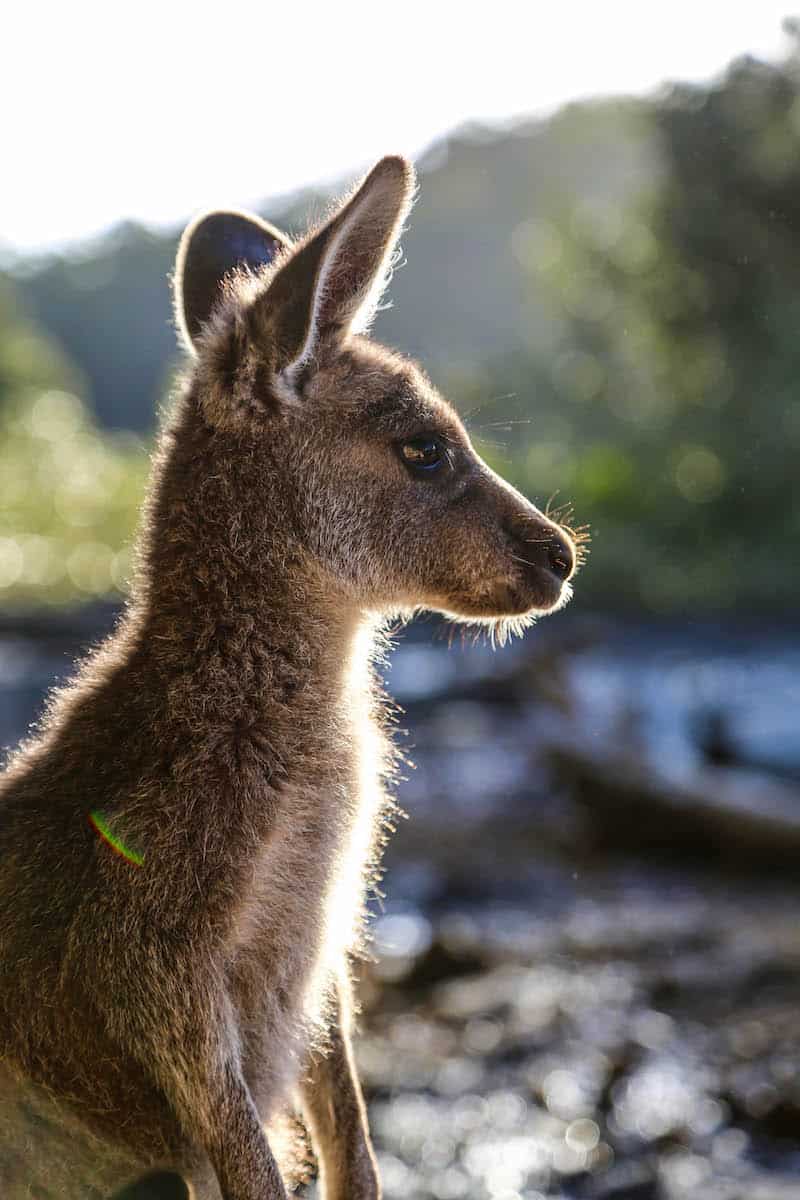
(464, 297)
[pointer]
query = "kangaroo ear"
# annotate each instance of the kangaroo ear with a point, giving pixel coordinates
(212, 246)
(332, 283)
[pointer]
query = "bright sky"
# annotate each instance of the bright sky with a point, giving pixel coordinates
(153, 111)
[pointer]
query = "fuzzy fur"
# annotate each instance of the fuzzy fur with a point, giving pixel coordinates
(232, 730)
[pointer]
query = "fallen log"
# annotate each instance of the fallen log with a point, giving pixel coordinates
(720, 814)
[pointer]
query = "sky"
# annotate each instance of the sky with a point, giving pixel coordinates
(156, 111)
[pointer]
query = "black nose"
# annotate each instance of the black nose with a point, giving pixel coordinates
(560, 557)
(543, 547)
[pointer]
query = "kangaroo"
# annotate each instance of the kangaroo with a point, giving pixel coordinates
(187, 838)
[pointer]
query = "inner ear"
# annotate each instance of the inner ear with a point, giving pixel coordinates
(211, 247)
(331, 284)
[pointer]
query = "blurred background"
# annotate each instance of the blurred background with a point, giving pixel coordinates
(585, 975)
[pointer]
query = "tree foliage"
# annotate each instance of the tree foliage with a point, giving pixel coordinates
(669, 411)
(69, 493)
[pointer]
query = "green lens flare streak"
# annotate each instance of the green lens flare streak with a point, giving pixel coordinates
(100, 825)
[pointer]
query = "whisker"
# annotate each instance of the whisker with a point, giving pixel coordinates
(494, 441)
(503, 424)
(480, 407)
(484, 441)
(548, 508)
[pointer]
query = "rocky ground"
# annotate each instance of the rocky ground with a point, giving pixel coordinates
(552, 1017)
(630, 1033)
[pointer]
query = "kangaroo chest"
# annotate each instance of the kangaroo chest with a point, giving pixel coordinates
(302, 911)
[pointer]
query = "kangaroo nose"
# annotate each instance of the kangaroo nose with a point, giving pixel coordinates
(544, 546)
(560, 556)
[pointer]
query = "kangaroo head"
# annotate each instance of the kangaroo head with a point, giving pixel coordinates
(388, 495)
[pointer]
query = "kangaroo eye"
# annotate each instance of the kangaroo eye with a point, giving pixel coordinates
(422, 453)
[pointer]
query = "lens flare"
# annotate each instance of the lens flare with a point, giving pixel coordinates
(100, 825)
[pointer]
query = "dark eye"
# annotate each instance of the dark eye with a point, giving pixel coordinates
(422, 453)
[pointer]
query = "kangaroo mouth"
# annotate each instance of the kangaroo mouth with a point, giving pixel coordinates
(531, 596)
(543, 593)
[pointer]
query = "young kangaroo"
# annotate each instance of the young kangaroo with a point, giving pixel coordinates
(162, 1005)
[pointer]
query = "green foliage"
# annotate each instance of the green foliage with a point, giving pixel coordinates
(669, 409)
(69, 493)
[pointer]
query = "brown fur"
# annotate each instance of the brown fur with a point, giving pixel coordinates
(231, 730)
